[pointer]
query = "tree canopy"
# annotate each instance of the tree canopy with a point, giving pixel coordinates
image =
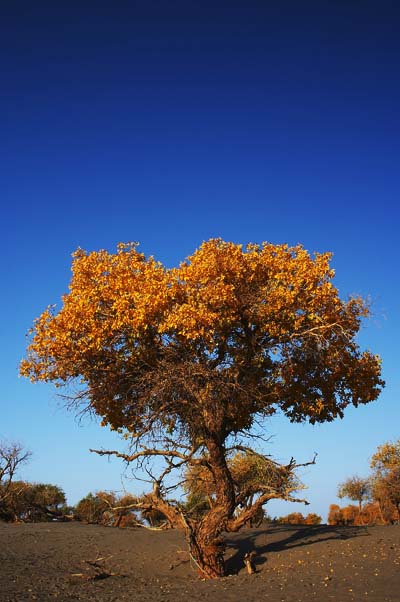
(185, 361)
(386, 457)
(356, 489)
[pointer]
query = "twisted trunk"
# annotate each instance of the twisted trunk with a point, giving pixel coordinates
(206, 545)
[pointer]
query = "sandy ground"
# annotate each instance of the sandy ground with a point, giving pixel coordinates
(61, 561)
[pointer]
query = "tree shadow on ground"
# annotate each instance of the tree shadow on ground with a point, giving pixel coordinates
(293, 536)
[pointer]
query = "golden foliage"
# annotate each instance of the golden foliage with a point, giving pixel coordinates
(386, 479)
(297, 518)
(356, 489)
(263, 324)
(386, 457)
(371, 514)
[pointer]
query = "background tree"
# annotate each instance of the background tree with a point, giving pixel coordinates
(297, 518)
(313, 519)
(386, 457)
(293, 518)
(109, 508)
(371, 514)
(379, 495)
(350, 514)
(15, 505)
(391, 488)
(356, 489)
(47, 501)
(335, 516)
(33, 502)
(385, 464)
(382, 487)
(12, 457)
(96, 507)
(188, 361)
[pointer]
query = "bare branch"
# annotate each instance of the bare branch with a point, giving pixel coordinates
(12, 457)
(142, 454)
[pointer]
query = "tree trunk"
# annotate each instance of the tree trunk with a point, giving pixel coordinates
(207, 551)
(206, 545)
(381, 512)
(360, 512)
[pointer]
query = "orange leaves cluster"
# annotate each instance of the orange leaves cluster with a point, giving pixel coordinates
(222, 284)
(110, 297)
(125, 294)
(266, 317)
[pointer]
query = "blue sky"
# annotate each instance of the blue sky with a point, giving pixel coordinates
(169, 123)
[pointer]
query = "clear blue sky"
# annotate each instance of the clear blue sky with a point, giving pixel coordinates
(172, 122)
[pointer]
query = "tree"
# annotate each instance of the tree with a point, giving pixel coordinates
(111, 509)
(188, 362)
(382, 487)
(313, 519)
(356, 489)
(47, 501)
(96, 507)
(12, 457)
(385, 464)
(391, 487)
(294, 518)
(386, 457)
(297, 518)
(14, 506)
(350, 514)
(33, 502)
(335, 515)
(371, 514)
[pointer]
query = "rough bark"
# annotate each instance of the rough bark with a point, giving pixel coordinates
(172, 514)
(207, 550)
(206, 545)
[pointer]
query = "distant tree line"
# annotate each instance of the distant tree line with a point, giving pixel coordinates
(106, 508)
(377, 496)
(33, 502)
(297, 518)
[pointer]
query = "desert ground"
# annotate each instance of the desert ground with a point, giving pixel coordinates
(74, 561)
